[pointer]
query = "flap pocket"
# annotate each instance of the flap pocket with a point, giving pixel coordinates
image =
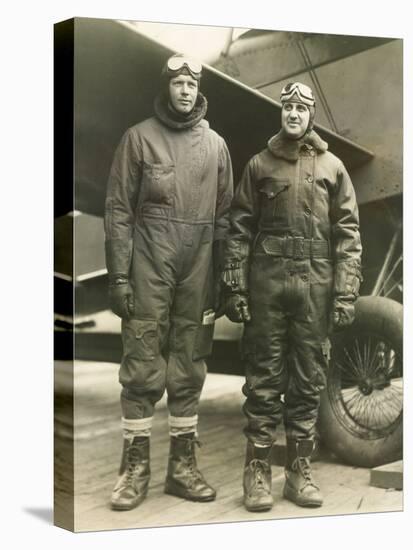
(271, 187)
(157, 168)
(142, 327)
(158, 184)
(140, 340)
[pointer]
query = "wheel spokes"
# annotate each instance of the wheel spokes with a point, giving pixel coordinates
(369, 390)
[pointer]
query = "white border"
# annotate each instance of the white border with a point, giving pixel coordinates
(26, 272)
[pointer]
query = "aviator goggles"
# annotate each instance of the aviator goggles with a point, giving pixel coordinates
(178, 62)
(303, 92)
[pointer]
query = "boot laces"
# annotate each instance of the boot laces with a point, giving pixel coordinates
(133, 461)
(258, 468)
(302, 465)
(190, 462)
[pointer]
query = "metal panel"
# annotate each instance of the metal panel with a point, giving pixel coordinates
(358, 93)
(367, 104)
(259, 58)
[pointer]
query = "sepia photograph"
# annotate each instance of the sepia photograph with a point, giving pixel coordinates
(228, 274)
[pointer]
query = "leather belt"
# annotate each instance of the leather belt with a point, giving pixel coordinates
(296, 247)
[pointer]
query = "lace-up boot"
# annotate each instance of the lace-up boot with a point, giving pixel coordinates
(257, 479)
(184, 478)
(299, 485)
(134, 473)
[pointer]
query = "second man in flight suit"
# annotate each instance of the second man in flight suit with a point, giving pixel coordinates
(292, 272)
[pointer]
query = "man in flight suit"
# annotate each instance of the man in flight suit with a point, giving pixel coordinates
(169, 192)
(292, 273)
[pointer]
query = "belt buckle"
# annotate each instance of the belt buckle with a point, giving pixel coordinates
(298, 248)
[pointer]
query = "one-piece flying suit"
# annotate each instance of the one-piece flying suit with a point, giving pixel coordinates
(169, 192)
(294, 221)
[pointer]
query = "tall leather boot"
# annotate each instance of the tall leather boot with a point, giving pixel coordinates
(134, 473)
(299, 485)
(184, 478)
(257, 479)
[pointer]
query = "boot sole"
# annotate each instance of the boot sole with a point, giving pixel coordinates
(125, 507)
(178, 493)
(291, 495)
(258, 508)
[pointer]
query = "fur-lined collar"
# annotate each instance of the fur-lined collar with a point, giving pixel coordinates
(289, 149)
(175, 120)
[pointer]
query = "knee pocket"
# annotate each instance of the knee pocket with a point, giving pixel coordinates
(140, 339)
(139, 367)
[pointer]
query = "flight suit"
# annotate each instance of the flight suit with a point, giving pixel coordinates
(294, 239)
(169, 192)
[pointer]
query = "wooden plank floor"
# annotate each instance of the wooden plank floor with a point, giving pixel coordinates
(98, 446)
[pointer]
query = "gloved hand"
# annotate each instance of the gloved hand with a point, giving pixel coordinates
(121, 297)
(236, 308)
(343, 313)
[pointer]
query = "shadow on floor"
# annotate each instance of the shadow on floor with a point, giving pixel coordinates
(45, 514)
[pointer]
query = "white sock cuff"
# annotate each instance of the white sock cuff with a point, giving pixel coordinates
(183, 421)
(137, 424)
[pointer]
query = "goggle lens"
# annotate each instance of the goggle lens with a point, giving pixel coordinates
(304, 92)
(176, 63)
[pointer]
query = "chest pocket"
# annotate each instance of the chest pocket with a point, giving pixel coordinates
(274, 198)
(158, 184)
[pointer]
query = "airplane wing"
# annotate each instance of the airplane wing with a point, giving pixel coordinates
(116, 77)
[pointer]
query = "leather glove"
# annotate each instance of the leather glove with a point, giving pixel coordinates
(236, 308)
(343, 313)
(121, 298)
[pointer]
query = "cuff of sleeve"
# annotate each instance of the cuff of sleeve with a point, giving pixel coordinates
(118, 255)
(347, 279)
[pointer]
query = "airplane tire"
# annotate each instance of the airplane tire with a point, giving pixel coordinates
(361, 409)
